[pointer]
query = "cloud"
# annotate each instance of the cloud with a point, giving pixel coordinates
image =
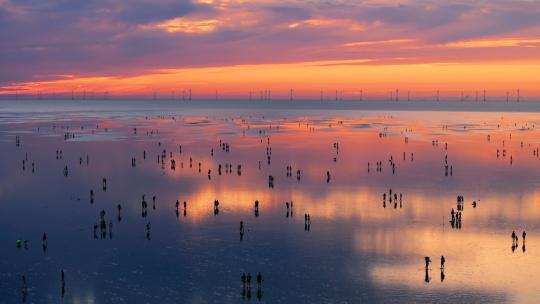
(378, 43)
(186, 25)
(44, 39)
(492, 43)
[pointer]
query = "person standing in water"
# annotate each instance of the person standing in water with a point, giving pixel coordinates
(428, 260)
(259, 280)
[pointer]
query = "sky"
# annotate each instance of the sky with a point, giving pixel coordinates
(236, 48)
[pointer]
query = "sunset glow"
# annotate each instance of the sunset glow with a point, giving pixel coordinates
(235, 47)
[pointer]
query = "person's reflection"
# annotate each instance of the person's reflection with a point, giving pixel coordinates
(426, 277)
(24, 289)
(259, 294)
(241, 230)
(110, 230)
(95, 231)
(442, 275)
(523, 248)
(248, 296)
(44, 242)
(119, 208)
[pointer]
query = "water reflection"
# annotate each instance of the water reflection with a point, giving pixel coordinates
(174, 205)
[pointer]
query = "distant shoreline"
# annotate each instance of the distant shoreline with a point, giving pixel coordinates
(376, 105)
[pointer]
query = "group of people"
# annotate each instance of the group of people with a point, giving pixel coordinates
(395, 199)
(515, 240)
(185, 208)
(428, 261)
(246, 286)
(307, 222)
(455, 217)
(102, 227)
(246, 280)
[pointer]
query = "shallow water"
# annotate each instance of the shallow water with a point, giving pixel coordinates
(358, 248)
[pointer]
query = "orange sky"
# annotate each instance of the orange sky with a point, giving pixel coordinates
(308, 79)
(160, 48)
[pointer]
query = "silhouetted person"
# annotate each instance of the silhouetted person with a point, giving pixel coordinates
(248, 279)
(243, 278)
(443, 260)
(44, 243)
(427, 260)
(216, 207)
(259, 279)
